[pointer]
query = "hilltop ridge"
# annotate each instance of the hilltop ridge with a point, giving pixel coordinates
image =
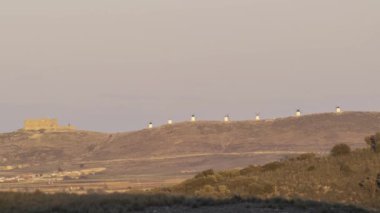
(309, 133)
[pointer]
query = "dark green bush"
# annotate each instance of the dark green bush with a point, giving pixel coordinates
(340, 149)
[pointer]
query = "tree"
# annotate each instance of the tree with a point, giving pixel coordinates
(374, 142)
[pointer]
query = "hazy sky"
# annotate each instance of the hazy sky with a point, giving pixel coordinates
(114, 65)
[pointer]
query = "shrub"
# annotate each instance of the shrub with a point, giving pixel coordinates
(206, 191)
(224, 190)
(311, 168)
(250, 170)
(345, 169)
(340, 149)
(206, 173)
(192, 185)
(259, 188)
(306, 156)
(229, 173)
(272, 166)
(374, 142)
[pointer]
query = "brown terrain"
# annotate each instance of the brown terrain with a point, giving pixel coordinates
(77, 161)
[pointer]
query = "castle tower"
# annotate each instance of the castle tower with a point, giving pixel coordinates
(298, 113)
(338, 109)
(193, 119)
(226, 118)
(170, 122)
(257, 117)
(150, 125)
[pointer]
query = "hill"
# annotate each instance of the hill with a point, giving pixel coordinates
(170, 153)
(352, 178)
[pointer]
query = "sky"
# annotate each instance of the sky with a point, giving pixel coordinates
(115, 65)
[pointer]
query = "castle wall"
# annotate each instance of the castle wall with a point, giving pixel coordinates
(45, 124)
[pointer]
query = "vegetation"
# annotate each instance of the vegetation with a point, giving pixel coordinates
(98, 203)
(374, 142)
(340, 149)
(351, 178)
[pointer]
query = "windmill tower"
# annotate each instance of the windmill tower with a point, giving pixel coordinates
(338, 110)
(298, 113)
(257, 116)
(170, 122)
(193, 119)
(226, 118)
(150, 125)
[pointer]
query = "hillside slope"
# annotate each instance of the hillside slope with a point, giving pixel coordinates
(171, 153)
(310, 133)
(352, 178)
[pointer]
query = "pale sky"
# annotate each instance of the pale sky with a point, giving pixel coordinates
(115, 65)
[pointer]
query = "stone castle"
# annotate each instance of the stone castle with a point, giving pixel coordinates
(45, 124)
